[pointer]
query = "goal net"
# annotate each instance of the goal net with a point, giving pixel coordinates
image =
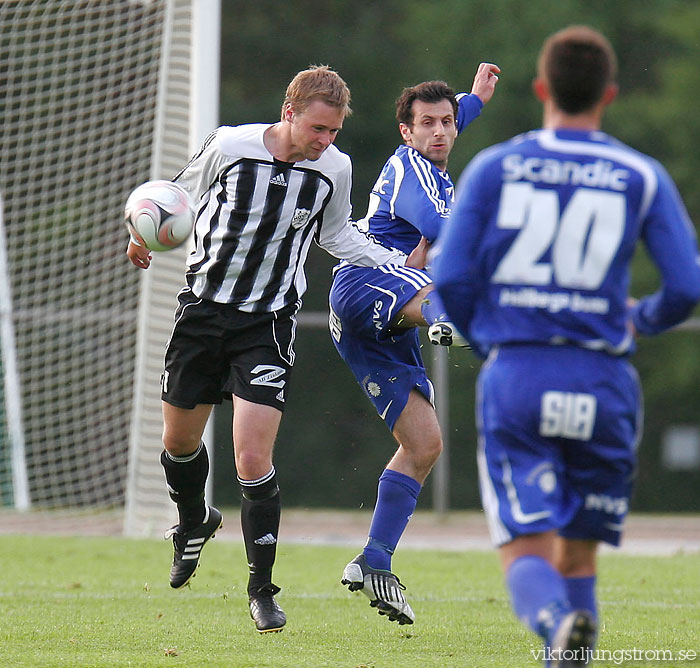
(96, 99)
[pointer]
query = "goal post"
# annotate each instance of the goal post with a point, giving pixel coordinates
(98, 97)
(190, 84)
(13, 468)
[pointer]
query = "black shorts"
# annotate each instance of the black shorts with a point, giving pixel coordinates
(215, 351)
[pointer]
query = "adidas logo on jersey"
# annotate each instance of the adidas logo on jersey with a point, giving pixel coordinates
(267, 539)
(279, 180)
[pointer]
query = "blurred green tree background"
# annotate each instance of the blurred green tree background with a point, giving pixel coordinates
(332, 445)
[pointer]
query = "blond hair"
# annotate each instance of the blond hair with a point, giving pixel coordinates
(319, 82)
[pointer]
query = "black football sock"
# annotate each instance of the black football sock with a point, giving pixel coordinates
(260, 521)
(186, 477)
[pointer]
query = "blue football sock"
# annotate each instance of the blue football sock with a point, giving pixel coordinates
(397, 495)
(433, 309)
(581, 593)
(538, 594)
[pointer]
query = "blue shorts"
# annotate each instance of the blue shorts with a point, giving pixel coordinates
(385, 361)
(558, 433)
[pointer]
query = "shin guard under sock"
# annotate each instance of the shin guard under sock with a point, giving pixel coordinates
(397, 496)
(581, 593)
(538, 594)
(260, 521)
(186, 478)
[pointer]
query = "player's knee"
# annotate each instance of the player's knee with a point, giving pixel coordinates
(576, 558)
(251, 463)
(180, 445)
(428, 453)
(576, 568)
(434, 448)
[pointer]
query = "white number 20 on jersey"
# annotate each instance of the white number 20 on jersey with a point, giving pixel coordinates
(584, 238)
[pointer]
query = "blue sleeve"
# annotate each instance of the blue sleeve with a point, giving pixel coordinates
(470, 107)
(670, 238)
(417, 196)
(456, 273)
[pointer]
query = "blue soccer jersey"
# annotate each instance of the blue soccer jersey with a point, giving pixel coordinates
(533, 267)
(412, 197)
(543, 231)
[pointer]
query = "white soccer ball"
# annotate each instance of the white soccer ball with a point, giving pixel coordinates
(159, 215)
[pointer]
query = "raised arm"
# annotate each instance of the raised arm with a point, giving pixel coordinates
(485, 81)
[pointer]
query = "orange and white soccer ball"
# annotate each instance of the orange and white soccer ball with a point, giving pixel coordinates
(159, 215)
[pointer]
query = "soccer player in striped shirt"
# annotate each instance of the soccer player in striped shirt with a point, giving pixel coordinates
(375, 313)
(533, 268)
(265, 193)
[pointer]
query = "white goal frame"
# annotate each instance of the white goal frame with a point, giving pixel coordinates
(13, 405)
(194, 92)
(77, 123)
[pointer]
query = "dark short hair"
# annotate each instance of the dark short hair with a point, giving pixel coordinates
(428, 91)
(578, 63)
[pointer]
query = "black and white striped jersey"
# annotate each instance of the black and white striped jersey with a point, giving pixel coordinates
(257, 218)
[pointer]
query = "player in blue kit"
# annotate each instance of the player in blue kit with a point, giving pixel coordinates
(375, 312)
(533, 268)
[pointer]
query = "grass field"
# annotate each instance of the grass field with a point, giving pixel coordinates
(105, 602)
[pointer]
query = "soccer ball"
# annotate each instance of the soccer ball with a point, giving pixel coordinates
(159, 215)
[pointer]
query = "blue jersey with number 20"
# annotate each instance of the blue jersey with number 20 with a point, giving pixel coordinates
(539, 244)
